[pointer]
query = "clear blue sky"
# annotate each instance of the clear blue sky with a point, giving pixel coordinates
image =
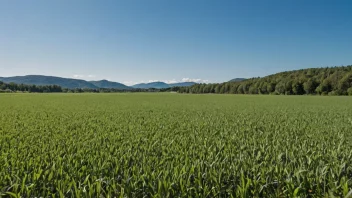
(132, 41)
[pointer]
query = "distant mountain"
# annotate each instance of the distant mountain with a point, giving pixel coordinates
(237, 80)
(77, 83)
(182, 84)
(161, 85)
(63, 82)
(157, 85)
(109, 84)
(49, 80)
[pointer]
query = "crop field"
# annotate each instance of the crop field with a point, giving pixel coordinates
(174, 145)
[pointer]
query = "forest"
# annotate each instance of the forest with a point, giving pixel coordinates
(312, 81)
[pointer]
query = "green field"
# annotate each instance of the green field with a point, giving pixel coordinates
(174, 145)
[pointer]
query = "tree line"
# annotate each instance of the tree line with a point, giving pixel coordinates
(13, 87)
(312, 81)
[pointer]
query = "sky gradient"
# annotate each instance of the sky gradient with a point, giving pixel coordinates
(135, 41)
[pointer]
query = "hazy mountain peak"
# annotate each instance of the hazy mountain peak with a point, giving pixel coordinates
(237, 79)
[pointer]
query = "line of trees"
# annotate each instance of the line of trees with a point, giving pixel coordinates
(107, 90)
(13, 87)
(313, 81)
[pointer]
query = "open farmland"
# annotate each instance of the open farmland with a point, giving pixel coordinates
(174, 145)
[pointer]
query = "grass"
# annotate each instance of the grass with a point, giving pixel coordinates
(174, 145)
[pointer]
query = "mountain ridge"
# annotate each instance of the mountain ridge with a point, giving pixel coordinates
(109, 84)
(72, 83)
(237, 80)
(49, 80)
(162, 85)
